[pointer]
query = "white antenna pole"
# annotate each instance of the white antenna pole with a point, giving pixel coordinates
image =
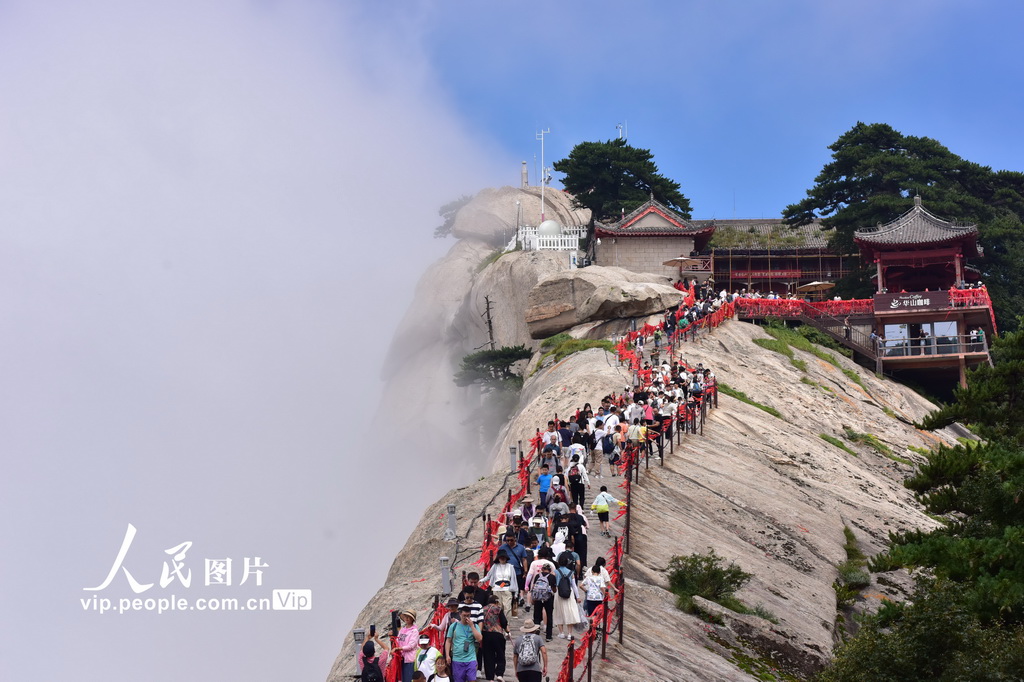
(543, 171)
(619, 127)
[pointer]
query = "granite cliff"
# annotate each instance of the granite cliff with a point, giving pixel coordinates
(764, 491)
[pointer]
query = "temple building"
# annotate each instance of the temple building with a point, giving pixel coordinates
(756, 255)
(924, 312)
(770, 256)
(647, 237)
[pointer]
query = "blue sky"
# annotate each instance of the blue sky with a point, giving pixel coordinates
(737, 100)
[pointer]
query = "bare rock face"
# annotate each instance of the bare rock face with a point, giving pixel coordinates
(559, 390)
(507, 283)
(570, 298)
(766, 492)
(492, 215)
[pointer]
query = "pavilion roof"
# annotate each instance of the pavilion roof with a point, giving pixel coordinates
(917, 228)
(629, 225)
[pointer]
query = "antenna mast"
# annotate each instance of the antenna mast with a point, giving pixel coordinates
(543, 171)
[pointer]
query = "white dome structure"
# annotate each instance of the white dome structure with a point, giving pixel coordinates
(549, 228)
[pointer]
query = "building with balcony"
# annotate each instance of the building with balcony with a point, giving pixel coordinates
(929, 309)
(770, 256)
(647, 237)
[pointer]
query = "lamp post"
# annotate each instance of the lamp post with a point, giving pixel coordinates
(359, 636)
(449, 533)
(446, 575)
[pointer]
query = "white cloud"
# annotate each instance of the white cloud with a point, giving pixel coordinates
(211, 217)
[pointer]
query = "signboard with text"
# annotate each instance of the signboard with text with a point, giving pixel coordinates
(927, 300)
(766, 274)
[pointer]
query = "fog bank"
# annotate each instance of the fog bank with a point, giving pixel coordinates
(211, 219)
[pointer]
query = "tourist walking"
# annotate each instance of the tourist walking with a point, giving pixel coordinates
(464, 639)
(567, 598)
(542, 593)
(502, 579)
(495, 632)
(595, 589)
(530, 655)
(602, 505)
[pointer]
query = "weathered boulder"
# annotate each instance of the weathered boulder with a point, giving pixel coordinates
(569, 298)
(493, 214)
(507, 283)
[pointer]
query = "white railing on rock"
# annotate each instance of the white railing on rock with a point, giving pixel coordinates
(569, 240)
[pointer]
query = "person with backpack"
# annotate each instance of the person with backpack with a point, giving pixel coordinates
(572, 557)
(567, 598)
(529, 655)
(495, 631)
(607, 452)
(542, 593)
(372, 666)
(464, 640)
(578, 480)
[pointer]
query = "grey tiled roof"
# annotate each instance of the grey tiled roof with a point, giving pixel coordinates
(916, 226)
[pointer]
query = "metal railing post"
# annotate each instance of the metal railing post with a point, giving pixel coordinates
(604, 631)
(622, 599)
(590, 655)
(629, 512)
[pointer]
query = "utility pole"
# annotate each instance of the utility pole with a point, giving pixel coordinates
(543, 170)
(490, 326)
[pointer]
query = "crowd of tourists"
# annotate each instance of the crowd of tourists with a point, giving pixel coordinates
(542, 569)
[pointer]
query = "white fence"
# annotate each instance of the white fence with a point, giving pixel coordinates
(569, 240)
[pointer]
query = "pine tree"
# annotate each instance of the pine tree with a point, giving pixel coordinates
(611, 177)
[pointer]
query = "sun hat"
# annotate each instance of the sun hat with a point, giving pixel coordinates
(530, 627)
(410, 613)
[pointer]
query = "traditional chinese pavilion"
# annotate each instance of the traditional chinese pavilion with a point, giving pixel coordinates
(647, 237)
(924, 311)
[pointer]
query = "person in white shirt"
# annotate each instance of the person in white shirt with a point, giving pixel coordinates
(598, 452)
(634, 411)
(611, 420)
(578, 479)
(426, 657)
(502, 578)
